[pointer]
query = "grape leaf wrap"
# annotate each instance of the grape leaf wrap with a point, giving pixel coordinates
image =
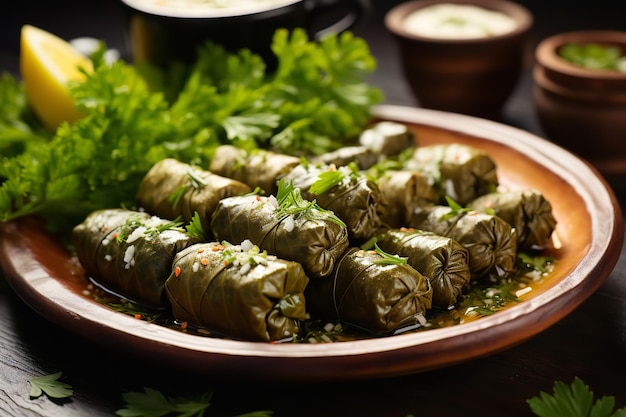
(459, 171)
(257, 168)
(364, 157)
(173, 189)
(528, 211)
(356, 200)
(114, 251)
(259, 302)
(442, 260)
(490, 241)
(404, 192)
(379, 298)
(315, 243)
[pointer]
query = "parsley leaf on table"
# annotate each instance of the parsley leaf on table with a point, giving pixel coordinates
(50, 385)
(573, 401)
(152, 403)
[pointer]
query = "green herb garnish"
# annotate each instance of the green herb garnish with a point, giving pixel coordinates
(195, 229)
(576, 400)
(315, 101)
(334, 176)
(152, 403)
(290, 203)
(455, 209)
(51, 386)
(387, 258)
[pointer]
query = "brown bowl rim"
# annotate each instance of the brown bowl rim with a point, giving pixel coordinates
(523, 17)
(546, 54)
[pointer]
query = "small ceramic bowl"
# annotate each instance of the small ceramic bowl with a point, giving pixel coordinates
(164, 31)
(579, 108)
(471, 75)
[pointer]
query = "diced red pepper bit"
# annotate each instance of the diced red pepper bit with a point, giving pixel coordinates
(200, 250)
(177, 271)
(360, 254)
(138, 316)
(217, 248)
(372, 252)
(258, 198)
(226, 263)
(204, 261)
(114, 235)
(184, 325)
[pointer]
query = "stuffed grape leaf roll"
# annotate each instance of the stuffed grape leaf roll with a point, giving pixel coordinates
(405, 191)
(459, 171)
(237, 291)
(368, 291)
(257, 168)
(286, 226)
(527, 210)
(363, 156)
(130, 252)
(442, 260)
(173, 189)
(388, 138)
(347, 192)
(490, 241)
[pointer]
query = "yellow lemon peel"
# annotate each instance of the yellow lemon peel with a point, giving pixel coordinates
(47, 64)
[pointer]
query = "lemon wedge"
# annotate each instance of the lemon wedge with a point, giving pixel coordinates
(47, 64)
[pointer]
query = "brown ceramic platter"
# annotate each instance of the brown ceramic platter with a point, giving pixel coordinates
(590, 229)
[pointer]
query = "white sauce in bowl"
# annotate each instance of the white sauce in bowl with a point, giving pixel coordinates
(458, 21)
(206, 8)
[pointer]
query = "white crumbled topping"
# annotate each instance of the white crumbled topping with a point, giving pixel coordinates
(136, 234)
(289, 224)
(246, 245)
(129, 257)
(195, 267)
(105, 242)
(245, 268)
(328, 327)
(272, 200)
(108, 258)
(523, 291)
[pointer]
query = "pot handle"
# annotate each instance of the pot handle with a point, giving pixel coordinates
(321, 11)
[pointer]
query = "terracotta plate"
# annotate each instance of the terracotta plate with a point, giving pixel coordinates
(590, 227)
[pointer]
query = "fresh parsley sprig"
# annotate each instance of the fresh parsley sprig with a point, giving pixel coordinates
(576, 400)
(315, 101)
(333, 176)
(291, 203)
(387, 258)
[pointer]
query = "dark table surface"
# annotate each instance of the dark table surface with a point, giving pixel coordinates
(590, 343)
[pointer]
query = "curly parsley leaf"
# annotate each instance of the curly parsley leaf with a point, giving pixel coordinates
(152, 403)
(576, 400)
(51, 386)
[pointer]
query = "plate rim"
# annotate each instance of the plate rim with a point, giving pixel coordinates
(362, 358)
